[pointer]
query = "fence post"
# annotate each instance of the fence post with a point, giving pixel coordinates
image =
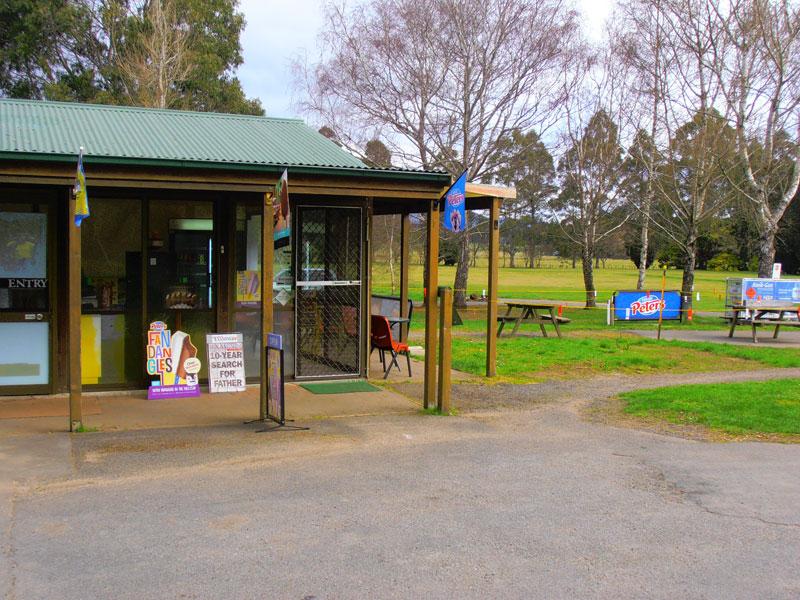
(445, 323)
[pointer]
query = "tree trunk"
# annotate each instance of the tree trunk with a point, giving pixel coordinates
(644, 238)
(462, 272)
(766, 250)
(588, 277)
(511, 259)
(687, 285)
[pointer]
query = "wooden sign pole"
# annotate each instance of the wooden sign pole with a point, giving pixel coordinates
(267, 253)
(74, 318)
(661, 304)
(445, 354)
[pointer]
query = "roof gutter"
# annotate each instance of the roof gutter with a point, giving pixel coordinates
(367, 173)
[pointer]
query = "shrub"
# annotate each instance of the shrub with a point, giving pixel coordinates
(724, 261)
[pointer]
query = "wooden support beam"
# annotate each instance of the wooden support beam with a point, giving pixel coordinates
(431, 286)
(491, 304)
(267, 252)
(493, 191)
(405, 238)
(74, 317)
(445, 356)
(366, 288)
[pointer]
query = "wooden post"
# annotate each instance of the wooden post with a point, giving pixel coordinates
(431, 284)
(366, 288)
(74, 317)
(405, 237)
(445, 323)
(661, 304)
(267, 251)
(491, 301)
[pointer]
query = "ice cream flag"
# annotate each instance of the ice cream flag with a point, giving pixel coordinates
(455, 204)
(280, 204)
(81, 195)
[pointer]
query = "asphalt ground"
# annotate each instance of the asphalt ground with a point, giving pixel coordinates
(534, 501)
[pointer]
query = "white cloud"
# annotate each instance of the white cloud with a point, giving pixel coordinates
(276, 32)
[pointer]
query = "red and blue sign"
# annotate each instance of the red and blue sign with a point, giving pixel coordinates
(766, 291)
(455, 204)
(645, 305)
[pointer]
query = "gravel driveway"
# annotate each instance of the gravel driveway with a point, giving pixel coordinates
(530, 502)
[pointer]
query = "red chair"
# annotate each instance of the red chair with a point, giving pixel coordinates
(381, 338)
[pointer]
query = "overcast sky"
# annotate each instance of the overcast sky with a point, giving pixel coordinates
(279, 30)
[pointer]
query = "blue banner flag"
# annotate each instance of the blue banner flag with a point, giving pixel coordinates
(455, 216)
(81, 196)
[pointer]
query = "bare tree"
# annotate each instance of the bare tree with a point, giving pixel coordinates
(696, 142)
(158, 59)
(757, 62)
(590, 168)
(445, 80)
(638, 39)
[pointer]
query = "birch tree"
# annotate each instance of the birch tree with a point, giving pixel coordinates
(157, 61)
(696, 141)
(590, 175)
(757, 62)
(639, 41)
(590, 168)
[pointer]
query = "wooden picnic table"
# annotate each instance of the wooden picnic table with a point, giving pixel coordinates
(760, 315)
(540, 312)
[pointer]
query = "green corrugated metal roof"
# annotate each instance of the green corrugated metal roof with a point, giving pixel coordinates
(40, 129)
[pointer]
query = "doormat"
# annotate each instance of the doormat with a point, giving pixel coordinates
(339, 387)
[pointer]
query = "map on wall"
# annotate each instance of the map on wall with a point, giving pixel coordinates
(23, 245)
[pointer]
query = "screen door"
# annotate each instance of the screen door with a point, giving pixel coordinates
(328, 301)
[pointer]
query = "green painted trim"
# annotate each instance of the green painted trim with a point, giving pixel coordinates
(365, 172)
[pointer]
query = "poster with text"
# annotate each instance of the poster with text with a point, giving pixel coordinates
(172, 359)
(225, 362)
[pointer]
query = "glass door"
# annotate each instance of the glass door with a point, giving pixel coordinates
(25, 298)
(181, 282)
(328, 299)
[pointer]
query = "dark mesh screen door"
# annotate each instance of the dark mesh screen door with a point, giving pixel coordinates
(328, 301)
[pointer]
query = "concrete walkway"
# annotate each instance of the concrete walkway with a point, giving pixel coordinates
(788, 338)
(117, 411)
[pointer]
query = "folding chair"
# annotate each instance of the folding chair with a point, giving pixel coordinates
(381, 338)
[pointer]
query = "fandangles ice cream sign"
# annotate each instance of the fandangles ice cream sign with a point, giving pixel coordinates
(172, 359)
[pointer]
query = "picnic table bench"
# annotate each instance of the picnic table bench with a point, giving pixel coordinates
(540, 312)
(756, 316)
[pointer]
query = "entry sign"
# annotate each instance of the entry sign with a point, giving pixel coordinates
(225, 362)
(275, 402)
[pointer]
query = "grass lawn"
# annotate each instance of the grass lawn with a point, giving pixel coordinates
(564, 283)
(584, 320)
(739, 408)
(530, 359)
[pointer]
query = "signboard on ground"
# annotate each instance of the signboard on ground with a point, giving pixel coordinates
(173, 359)
(751, 291)
(644, 305)
(225, 362)
(275, 401)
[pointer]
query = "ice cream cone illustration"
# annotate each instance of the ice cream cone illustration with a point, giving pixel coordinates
(182, 350)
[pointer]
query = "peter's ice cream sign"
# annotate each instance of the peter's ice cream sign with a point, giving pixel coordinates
(646, 305)
(172, 358)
